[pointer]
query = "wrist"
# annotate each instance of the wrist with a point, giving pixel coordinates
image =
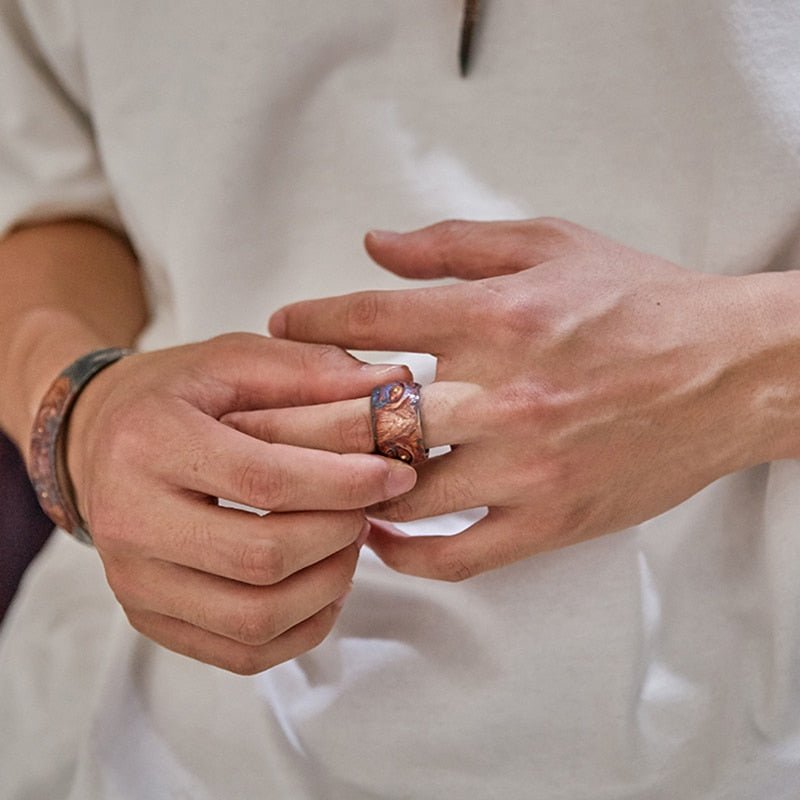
(40, 343)
(769, 373)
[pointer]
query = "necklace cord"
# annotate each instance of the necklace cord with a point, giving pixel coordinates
(472, 11)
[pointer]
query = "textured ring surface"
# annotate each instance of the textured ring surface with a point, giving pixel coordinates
(396, 422)
(48, 470)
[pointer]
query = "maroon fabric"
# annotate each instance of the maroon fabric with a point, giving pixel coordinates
(23, 526)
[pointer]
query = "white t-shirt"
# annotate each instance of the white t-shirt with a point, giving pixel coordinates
(245, 148)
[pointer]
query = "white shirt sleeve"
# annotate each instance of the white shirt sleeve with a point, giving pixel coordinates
(50, 166)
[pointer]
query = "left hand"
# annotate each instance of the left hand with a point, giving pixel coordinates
(585, 386)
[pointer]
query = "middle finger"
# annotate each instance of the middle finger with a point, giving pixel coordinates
(252, 615)
(240, 545)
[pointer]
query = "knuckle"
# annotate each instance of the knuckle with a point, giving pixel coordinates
(557, 229)
(262, 563)
(195, 455)
(330, 354)
(448, 234)
(259, 424)
(363, 313)
(138, 620)
(522, 314)
(253, 626)
(516, 402)
(354, 432)
(345, 525)
(544, 411)
(223, 339)
(262, 485)
(356, 483)
(126, 432)
(248, 480)
(347, 560)
(123, 583)
(509, 314)
(192, 533)
(221, 342)
(571, 521)
(314, 357)
(398, 509)
(318, 627)
(228, 343)
(561, 236)
(223, 345)
(106, 520)
(245, 661)
(452, 231)
(450, 566)
(455, 492)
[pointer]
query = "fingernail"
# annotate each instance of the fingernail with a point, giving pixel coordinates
(379, 370)
(400, 480)
(364, 535)
(277, 324)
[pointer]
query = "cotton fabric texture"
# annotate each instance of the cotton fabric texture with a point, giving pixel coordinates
(245, 148)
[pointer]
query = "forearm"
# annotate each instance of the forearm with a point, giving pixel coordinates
(67, 288)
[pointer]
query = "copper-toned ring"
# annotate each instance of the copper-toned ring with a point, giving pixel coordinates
(397, 423)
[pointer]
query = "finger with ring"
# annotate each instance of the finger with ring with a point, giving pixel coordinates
(450, 412)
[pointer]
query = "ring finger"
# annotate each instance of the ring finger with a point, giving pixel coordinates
(346, 426)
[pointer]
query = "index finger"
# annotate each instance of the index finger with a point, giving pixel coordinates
(417, 320)
(221, 462)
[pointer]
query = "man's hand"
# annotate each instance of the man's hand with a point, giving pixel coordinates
(148, 458)
(584, 386)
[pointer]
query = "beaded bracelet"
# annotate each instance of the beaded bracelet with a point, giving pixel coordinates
(48, 468)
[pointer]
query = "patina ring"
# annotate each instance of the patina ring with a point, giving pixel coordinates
(396, 422)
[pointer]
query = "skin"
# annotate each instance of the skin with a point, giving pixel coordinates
(585, 386)
(148, 457)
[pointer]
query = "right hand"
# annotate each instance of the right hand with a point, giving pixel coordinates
(148, 457)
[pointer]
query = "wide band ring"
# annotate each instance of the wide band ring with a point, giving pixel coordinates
(396, 422)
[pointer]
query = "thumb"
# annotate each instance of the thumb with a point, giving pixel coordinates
(473, 250)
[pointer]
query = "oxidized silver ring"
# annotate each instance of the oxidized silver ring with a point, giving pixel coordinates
(396, 422)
